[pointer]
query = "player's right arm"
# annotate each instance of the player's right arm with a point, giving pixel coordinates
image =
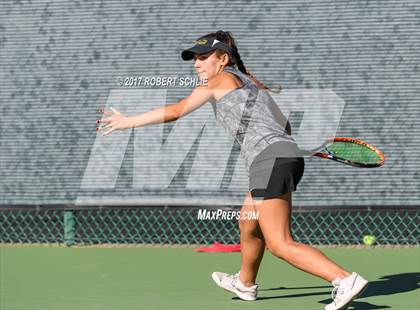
(198, 97)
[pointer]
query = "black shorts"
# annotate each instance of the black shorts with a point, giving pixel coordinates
(271, 177)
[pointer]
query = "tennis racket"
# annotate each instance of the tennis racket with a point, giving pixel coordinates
(352, 152)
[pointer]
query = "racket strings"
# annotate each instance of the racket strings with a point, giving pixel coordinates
(354, 152)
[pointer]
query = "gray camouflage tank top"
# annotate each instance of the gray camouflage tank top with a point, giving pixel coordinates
(252, 117)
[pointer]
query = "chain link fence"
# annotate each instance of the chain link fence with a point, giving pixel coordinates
(180, 225)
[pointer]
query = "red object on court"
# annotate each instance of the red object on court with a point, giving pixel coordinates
(219, 247)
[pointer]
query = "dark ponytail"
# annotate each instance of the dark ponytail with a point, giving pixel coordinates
(227, 38)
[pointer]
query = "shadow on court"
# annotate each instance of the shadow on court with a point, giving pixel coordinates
(386, 285)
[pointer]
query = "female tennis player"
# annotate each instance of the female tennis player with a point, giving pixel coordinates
(245, 109)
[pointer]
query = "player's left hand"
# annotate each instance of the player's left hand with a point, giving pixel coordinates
(116, 121)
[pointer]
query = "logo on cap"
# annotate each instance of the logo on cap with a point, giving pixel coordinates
(214, 42)
(201, 42)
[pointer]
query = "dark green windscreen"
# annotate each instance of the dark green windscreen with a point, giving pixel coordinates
(60, 62)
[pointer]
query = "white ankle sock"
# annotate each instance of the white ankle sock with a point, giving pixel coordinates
(346, 280)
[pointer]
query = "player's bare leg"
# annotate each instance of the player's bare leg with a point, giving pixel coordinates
(252, 244)
(274, 221)
(252, 251)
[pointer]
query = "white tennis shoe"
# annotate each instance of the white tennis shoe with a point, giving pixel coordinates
(345, 291)
(232, 283)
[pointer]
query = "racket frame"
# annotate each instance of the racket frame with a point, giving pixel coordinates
(328, 155)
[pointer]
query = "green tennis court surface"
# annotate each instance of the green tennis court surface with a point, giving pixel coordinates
(49, 278)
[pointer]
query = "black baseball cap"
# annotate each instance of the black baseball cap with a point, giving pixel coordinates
(204, 45)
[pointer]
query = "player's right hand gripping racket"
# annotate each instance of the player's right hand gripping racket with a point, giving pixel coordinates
(352, 152)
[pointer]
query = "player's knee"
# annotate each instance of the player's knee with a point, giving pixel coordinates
(281, 248)
(246, 226)
(250, 229)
